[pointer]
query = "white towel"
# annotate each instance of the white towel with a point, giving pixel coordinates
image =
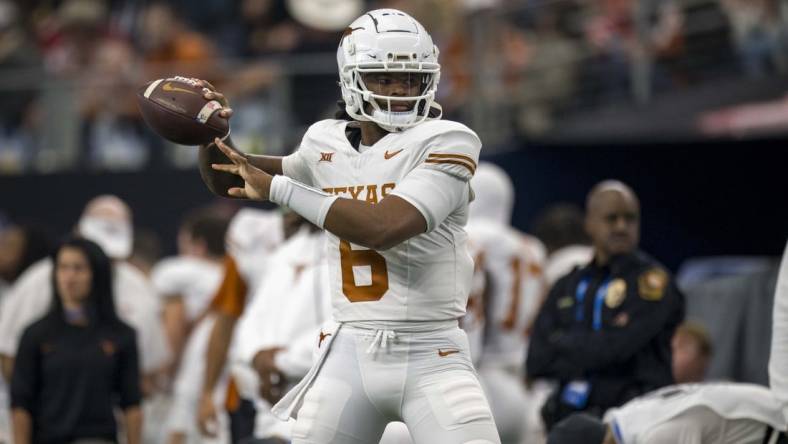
(288, 406)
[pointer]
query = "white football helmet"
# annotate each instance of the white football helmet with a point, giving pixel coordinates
(387, 40)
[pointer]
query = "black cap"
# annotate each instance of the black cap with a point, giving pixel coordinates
(579, 428)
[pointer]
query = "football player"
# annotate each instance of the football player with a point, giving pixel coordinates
(251, 238)
(389, 183)
(187, 282)
(513, 264)
(280, 328)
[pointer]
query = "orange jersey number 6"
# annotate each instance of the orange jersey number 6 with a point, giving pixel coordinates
(350, 258)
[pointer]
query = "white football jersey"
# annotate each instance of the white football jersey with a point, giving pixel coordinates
(292, 301)
(427, 277)
(731, 401)
(513, 263)
(194, 279)
(562, 261)
(251, 238)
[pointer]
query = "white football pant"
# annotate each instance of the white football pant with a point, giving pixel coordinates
(372, 377)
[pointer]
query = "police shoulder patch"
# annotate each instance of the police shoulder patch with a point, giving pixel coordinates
(652, 284)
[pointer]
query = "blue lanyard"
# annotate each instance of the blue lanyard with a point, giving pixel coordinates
(599, 299)
(580, 295)
(617, 433)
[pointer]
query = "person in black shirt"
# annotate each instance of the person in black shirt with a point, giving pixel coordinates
(79, 361)
(604, 332)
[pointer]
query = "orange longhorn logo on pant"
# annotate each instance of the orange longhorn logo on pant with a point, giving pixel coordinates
(322, 337)
(444, 353)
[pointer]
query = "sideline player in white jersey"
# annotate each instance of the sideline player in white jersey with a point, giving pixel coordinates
(512, 262)
(718, 413)
(394, 200)
(187, 282)
(280, 328)
(252, 237)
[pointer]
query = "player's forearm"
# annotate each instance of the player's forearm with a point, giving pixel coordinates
(175, 325)
(270, 164)
(219, 343)
(23, 426)
(375, 226)
(133, 420)
(6, 366)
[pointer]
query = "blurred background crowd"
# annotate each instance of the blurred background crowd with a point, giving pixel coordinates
(684, 100)
(528, 70)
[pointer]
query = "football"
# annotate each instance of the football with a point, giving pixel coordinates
(176, 109)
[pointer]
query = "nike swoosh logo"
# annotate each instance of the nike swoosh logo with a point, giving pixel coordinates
(387, 155)
(168, 87)
(444, 353)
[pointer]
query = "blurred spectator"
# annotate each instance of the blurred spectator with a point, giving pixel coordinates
(541, 64)
(170, 48)
(19, 59)
(456, 65)
(106, 221)
(692, 349)
(112, 126)
(71, 37)
(632, 44)
(79, 361)
(604, 331)
(20, 247)
(759, 35)
(105, 75)
(145, 251)
(560, 228)
(325, 15)
(188, 281)
(266, 29)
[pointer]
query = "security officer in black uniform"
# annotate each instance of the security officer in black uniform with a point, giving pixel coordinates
(604, 330)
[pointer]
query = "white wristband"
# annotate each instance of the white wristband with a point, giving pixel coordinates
(310, 203)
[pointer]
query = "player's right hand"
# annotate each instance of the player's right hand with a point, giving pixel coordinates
(210, 93)
(257, 183)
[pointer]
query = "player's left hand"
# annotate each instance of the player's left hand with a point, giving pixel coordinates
(257, 183)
